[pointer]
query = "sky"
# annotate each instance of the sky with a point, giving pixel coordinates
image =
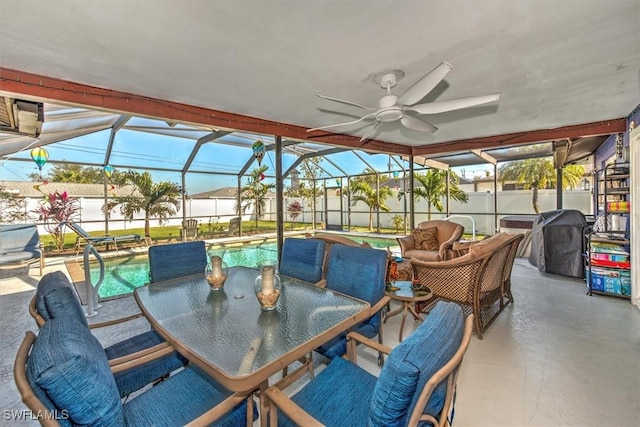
(133, 149)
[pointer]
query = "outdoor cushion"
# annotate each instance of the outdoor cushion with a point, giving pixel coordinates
(426, 238)
(176, 260)
(55, 298)
(135, 378)
(413, 362)
(69, 365)
(302, 259)
(345, 394)
(9, 257)
(487, 245)
(340, 395)
(359, 272)
(181, 398)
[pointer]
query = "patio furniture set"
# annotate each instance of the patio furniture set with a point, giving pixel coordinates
(223, 351)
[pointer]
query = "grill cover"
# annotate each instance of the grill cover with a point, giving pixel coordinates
(557, 242)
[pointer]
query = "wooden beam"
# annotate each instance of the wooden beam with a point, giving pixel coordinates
(56, 90)
(605, 127)
(485, 156)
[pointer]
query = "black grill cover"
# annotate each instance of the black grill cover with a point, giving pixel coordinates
(557, 242)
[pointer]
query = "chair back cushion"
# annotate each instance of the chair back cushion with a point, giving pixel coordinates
(69, 366)
(359, 272)
(19, 237)
(412, 363)
(302, 259)
(55, 298)
(176, 260)
(488, 245)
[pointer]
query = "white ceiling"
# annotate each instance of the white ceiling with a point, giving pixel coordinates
(556, 63)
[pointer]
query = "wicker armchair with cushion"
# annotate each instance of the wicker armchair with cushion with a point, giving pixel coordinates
(475, 280)
(431, 240)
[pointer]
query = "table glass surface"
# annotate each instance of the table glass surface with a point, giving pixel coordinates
(228, 329)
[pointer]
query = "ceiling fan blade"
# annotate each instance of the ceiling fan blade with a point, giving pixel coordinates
(422, 87)
(453, 104)
(417, 124)
(342, 124)
(345, 102)
(372, 130)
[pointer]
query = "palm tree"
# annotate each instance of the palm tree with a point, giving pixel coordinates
(434, 189)
(161, 200)
(539, 173)
(254, 193)
(363, 189)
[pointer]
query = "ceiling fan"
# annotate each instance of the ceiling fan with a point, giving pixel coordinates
(392, 108)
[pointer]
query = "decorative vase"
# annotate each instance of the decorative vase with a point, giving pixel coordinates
(267, 287)
(216, 272)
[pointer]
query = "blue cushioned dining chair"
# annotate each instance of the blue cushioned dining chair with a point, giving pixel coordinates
(359, 272)
(302, 259)
(176, 260)
(416, 386)
(56, 298)
(63, 373)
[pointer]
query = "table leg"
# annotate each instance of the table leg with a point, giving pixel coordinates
(264, 405)
(416, 316)
(393, 313)
(405, 307)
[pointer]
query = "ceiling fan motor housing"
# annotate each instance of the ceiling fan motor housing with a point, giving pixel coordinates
(388, 109)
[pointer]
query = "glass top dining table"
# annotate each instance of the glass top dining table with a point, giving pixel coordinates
(226, 333)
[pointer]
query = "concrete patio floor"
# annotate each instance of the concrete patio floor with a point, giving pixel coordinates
(557, 357)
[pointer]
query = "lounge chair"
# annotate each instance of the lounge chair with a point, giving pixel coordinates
(85, 237)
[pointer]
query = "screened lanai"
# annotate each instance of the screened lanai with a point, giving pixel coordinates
(212, 165)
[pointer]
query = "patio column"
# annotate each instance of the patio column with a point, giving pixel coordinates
(279, 197)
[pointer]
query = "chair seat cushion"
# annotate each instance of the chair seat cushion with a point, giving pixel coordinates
(422, 255)
(179, 399)
(410, 365)
(9, 257)
(135, 378)
(70, 366)
(338, 396)
(337, 346)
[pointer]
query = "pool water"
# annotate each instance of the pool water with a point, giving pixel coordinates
(124, 274)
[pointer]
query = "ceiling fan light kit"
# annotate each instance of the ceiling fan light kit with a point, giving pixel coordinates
(392, 108)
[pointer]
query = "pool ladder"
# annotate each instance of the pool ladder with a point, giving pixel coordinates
(91, 289)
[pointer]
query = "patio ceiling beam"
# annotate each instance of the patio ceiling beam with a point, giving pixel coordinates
(606, 127)
(50, 88)
(428, 162)
(485, 156)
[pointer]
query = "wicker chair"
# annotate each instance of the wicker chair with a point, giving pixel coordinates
(447, 232)
(475, 280)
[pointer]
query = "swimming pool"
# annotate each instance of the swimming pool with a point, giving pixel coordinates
(124, 274)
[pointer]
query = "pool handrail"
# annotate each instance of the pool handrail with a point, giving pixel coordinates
(91, 289)
(473, 223)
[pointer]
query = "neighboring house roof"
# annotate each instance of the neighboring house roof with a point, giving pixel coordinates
(224, 193)
(29, 189)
